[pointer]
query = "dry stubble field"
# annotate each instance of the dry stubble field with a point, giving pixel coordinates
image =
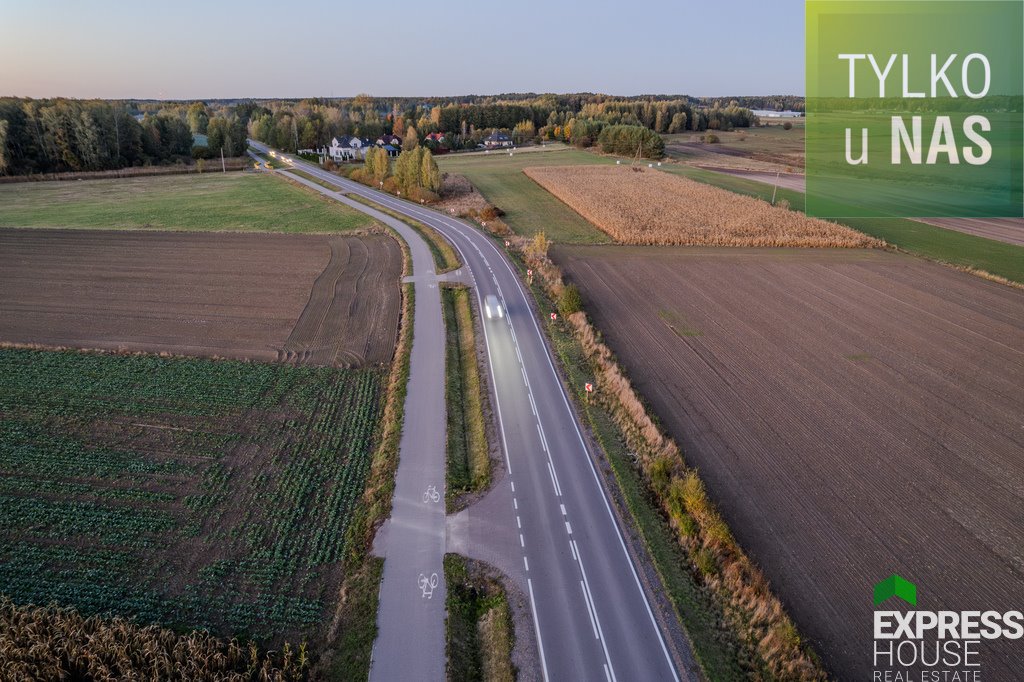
(854, 413)
(646, 206)
(320, 300)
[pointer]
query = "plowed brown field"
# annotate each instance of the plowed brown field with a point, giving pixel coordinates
(853, 413)
(323, 300)
(652, 207)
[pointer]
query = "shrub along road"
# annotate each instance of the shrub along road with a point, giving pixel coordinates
(591, 615)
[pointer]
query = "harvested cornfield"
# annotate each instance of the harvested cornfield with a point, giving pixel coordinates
(57, 644)
(646, 206)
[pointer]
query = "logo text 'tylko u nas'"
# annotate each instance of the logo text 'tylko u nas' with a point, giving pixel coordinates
(941, 645)
(951, 76)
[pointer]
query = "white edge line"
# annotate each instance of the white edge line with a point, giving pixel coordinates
(604, 645)
(554, 485)
(536, 625)
(590, 611)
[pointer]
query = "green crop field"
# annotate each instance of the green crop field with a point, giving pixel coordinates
(211, 201)
(936, 243)
(770, 142)
(528, 207)
(186, 492)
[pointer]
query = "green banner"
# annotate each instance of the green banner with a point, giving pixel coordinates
(914, 108)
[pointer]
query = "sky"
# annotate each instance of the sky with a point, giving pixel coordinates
(187, 49)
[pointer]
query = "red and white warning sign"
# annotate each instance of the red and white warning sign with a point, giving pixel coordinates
(529, 273)
(589, 387)
(554, 316)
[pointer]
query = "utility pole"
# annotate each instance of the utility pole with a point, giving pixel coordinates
(776, 188)
(223, 168)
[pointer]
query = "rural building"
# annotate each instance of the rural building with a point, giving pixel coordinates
(347, 148)
(393, 140)
(437, 143)
(498, 139)
(392, 150)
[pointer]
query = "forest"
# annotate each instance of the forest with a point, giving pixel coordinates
(68, 135)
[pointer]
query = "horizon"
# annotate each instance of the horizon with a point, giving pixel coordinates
(192, 51)
(612, 95)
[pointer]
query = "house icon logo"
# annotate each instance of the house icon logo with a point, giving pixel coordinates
(895, 586)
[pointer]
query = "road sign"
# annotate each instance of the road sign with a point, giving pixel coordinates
(554, 316)
(589, 387)
(529, 273)
(507, 243)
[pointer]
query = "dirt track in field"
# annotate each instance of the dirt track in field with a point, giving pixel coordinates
(853, 413)
(312, 299)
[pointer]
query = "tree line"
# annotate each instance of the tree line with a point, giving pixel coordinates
(67, 135)
(466, 121)
(414, 173)
(627, 140)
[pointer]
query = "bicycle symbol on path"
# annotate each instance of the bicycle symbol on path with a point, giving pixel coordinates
(431, 495)
(428, 585)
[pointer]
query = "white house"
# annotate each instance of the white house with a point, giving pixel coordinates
(347, 148)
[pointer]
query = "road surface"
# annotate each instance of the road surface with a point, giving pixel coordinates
(592, 617)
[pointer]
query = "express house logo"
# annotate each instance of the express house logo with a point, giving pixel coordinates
(932, 646)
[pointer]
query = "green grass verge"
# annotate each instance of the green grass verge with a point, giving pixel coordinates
(445, 258)
(528, 207)
(920, 239)
(469, 466)
(312, 178)
(357, 624)
(713, 646)
(478, 627)
(207, 202)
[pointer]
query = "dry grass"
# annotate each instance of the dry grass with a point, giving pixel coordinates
(458, 195)
(646, 206)
(495, 632)
(56, 644)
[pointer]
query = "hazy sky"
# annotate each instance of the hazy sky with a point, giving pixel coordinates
(187, 49)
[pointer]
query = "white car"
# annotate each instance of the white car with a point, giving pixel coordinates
(492, 306)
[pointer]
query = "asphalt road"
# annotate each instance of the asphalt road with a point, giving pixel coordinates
(592, 617)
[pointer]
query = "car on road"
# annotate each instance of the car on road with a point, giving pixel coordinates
(492, 306)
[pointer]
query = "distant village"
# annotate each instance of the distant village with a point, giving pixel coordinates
(351, 148)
